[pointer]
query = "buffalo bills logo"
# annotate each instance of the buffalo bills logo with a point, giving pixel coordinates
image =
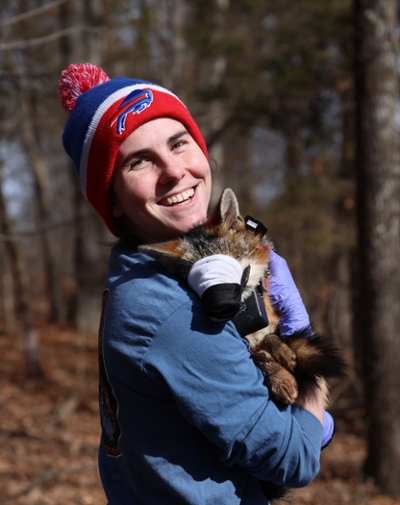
(136, 102)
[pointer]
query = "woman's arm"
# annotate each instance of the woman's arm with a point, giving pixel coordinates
(218, 389)
(312, 402)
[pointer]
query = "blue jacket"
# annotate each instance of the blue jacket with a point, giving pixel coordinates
(186, 418)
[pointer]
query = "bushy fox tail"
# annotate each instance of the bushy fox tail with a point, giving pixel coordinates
(317, 356)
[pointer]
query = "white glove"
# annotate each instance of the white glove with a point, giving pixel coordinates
(213, 270)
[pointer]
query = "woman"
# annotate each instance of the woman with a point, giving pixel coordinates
(183, 420)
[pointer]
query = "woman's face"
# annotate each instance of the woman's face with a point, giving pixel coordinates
(161, 181)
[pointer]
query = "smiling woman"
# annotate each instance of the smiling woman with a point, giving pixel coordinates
(161, 181)
(184, 421)
(103, 114)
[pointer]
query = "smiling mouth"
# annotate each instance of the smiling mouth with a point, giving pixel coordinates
(178, 199)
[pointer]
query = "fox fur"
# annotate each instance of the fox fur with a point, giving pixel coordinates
(289, 366)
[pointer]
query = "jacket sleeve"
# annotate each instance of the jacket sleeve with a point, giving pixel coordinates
(216, 386)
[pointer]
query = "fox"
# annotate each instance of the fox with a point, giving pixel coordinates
(290, 366)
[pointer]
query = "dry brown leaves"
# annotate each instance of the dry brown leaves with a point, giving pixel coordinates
(49, 433)
(49, 427)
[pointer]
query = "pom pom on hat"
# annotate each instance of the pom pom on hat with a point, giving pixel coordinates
(103, 112)
(76, 79)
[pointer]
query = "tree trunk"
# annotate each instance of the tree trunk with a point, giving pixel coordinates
(7, 299)
(84, 305)
(71, 45)
(41, 175)
(378, 185)
(292, 124)
(21, 297)
(93, 18)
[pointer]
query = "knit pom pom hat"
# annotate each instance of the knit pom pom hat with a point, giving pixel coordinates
(103, 113)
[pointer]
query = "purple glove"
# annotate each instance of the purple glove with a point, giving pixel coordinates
(286, 299)
(329, 430)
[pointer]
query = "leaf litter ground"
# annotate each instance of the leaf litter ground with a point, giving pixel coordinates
(50, 430)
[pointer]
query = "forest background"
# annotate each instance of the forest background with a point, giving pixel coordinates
(298, 103)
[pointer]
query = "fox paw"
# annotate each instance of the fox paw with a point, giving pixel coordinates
(281, 383)
(279, 351)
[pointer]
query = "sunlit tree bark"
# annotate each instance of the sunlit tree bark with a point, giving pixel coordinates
(378, 182)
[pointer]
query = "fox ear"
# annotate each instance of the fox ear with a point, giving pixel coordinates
(229, 210)
(228, 203)
(226, 213)
(166, 253)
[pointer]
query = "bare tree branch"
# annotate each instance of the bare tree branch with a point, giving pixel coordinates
(27, 233)
(23, 44)
(33, 12)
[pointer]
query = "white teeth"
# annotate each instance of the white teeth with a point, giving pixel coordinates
(180, 198)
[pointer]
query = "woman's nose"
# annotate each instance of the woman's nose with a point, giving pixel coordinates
(171, 169)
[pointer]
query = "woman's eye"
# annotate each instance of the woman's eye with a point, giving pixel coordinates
(178, 144)
(138, 164)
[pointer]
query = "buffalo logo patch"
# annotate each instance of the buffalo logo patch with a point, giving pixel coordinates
(135, 103)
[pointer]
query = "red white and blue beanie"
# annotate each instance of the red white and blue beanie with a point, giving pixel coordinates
(103, 113)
